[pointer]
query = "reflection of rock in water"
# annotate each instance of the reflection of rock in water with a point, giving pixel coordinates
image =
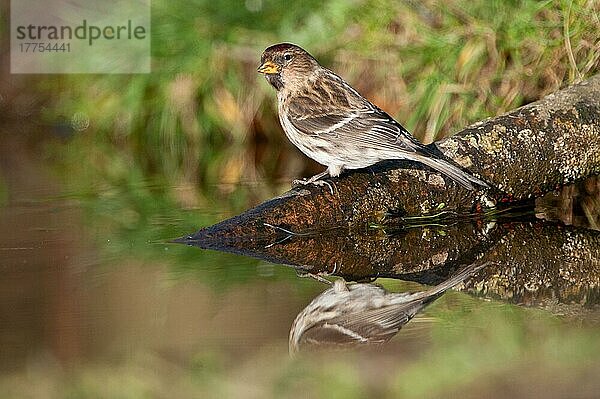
(577, 204)
(536, 263)
(352, 315)
(544, 265)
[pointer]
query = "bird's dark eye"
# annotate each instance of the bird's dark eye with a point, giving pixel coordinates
(287, 56)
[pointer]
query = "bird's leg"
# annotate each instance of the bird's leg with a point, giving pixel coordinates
(315, 180)
(320, 279)
(339, 284)
(311, 180)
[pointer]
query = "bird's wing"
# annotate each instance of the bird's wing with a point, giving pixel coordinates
(336, 110)
(364, 327)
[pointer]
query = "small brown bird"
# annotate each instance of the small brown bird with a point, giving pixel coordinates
(333, 124)
(363, 314)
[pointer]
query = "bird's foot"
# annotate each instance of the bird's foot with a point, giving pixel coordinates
(313, 276)
(316, 182)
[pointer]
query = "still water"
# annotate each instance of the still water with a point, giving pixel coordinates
(95, 301)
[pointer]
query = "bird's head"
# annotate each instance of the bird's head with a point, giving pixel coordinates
(286, 64)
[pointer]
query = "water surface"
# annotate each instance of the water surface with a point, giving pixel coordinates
(95, 301)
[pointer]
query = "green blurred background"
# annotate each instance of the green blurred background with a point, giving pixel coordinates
(151, 157)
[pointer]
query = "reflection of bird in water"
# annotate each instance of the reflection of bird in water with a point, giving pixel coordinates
(351, 315)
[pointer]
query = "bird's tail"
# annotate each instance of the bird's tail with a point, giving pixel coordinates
(465, 179)
(458, 278)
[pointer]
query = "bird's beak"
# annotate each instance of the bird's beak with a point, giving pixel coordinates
(268, 68)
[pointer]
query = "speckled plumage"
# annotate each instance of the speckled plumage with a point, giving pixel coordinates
(330, 122)
(357, 314)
